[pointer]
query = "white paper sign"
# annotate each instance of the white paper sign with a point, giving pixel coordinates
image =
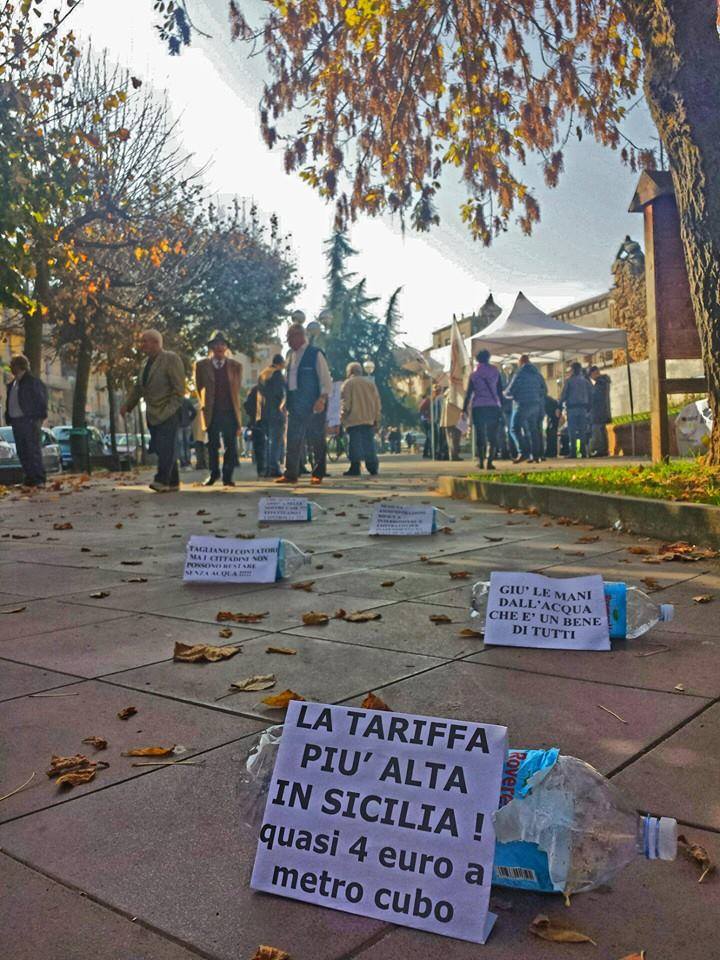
(235, 561)
(385, 815)
(284, 509)
(527, 610)
(398, 520)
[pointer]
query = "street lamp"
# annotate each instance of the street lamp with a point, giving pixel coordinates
(369, 367)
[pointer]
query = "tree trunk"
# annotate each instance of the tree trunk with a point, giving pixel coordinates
(110, 383)
(79, 444)
(682, 85)
(34, 324)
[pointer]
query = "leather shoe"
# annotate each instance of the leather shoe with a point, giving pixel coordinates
(228, 483)
(315, 481)
(285, 480)
(210, 481)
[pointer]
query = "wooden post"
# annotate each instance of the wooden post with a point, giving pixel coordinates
(672, 333)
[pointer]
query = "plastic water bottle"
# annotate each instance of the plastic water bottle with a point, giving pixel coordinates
(563, 827)
(291, 558)
(631, 613)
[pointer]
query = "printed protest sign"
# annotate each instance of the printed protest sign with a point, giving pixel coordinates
(284, 509)
(236, 561)
(527, 610)
(398, 520)
(386, 815)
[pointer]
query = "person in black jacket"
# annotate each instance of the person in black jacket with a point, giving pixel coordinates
(271, 413)
(600, 413)
(25, 410)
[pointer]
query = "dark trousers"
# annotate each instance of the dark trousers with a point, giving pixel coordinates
(259, 444)
(163, 443)
(599, 440)
(577, 421)
(27, 436)
(274, 431)
(551, 437)
(486, 421)
(427, 446)
(305, 426)
(362, 447)
(524, 429)
(223, 424)
(452, 438)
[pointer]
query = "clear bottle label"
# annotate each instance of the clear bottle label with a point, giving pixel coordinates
(616, 601)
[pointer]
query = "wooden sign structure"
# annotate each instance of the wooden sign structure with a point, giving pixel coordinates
(672, 332)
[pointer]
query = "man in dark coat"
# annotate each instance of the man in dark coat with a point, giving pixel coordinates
(600, 412)
(576, 398)
(25, 410)
(528, 391)
(271, 413)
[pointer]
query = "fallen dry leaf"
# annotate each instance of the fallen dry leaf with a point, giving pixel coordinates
(225, 633)
(135, 580)
(640, 551)
(305, 585)
(447, 530)
(118, 526)
(532, 512)
(14, 610)
(131, 563)
(469, 632)
(588, 539)
(699, 855)
(314, 619)
(150, 752)
(287, 651)
(127, 712)
(100, 743)
(388, 583)
(100, 594)
(704, 598)
(651, 583)
(635, 956)
(460, 574)
(340, 614)
(281, 700)
(60, 765)
(76, 777)
(494, 539)
(223, 616)
(253, 684)
(654, 560)
(679, 688)
(202, 652)
(371, 702)
(440, 618)
(552, 930)
(62, 526)
(270, 953)
(337, 555)
(361, 616)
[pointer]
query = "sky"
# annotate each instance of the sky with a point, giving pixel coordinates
(213, 91)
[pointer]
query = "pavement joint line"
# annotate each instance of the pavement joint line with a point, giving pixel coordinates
(607, 683)
(98, 901)
(666, 735)
(691, 825)
(376, 938)
(74, 798)
(43, 633)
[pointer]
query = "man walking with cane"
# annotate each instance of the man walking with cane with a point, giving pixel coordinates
(25, 410)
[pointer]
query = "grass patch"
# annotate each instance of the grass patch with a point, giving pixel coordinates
(688, 481)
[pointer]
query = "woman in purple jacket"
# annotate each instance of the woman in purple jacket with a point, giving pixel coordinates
(485, 391)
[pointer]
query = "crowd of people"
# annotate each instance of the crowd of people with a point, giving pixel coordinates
(516, 418)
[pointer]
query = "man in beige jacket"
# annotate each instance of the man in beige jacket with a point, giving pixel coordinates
(161, 383)
(360, 415)
(218, 379)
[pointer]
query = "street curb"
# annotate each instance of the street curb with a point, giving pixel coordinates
(667, 520)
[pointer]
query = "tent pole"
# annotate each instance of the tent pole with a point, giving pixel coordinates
(630, 393)
(432, 419)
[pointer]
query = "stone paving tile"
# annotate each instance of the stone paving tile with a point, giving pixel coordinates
(320, 670)
(47, 580)
(124, 847)
(404, 626)
(542, 711)
(459, 597)
(47, 616)
(653, 906)
(697, 619)
(657, 661)
(34, 728)
(681, 776)
(18, 680)
(370, 581)
(120, 644)
(40, 917)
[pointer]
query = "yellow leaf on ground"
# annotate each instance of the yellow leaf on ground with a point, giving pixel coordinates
(76, 777)
(362, 616)
(287, 651)
(224, 615)
(440, 618)
(460, 574)
(640, 551)
(635, 956)
(315, 619)
(65, 764)
(150, 752)
(589, 539)
(305, 585)
(469, 632)
(261, 681)
(127, 712)
(225, 633)
(552, 930)
(202, 652)
(62, 526)
(100, 743)
(371, 702)
(270, 953)
(281, 700)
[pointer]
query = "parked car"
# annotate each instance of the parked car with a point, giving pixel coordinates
(9, 460)
(62, 437)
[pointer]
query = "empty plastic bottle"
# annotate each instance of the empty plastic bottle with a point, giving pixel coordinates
(562, 826)
(291, 558)
(631, 613)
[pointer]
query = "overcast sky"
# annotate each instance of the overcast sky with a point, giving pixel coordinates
(214, 89)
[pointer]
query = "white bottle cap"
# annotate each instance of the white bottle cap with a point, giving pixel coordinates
(667, 612)
(660, 838)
